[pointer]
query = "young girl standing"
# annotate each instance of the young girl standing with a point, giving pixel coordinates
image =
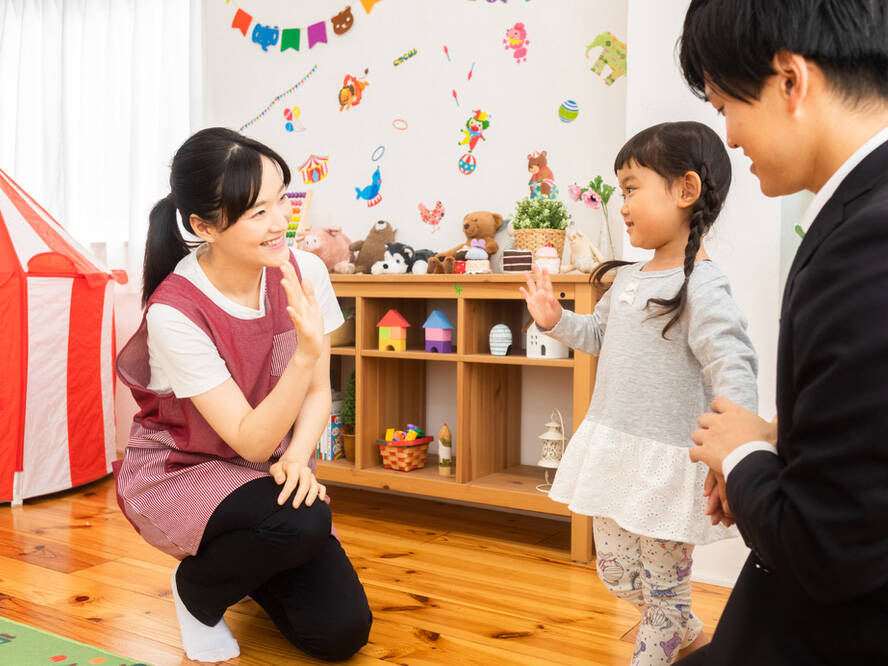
(669, 339)
(230, 369)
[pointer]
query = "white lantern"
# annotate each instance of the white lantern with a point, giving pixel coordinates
(552, 447)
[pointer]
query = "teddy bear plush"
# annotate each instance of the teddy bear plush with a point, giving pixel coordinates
(330, 244)
(372, 248)
(480, 225)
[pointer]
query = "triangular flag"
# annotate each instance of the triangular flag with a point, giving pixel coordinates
(290, 39)
(317, 33)
(242, 21)
(368, 4)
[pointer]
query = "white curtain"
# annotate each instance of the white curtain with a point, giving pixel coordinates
(95, 97)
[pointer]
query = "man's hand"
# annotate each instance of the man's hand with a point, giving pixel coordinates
(717, 507)
(726, 428)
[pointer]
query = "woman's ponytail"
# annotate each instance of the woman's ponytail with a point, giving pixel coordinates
(164, 246)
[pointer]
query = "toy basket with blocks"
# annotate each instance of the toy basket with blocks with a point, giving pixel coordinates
(404, 455)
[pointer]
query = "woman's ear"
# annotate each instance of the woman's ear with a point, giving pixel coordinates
(689, 188)
(202, 229)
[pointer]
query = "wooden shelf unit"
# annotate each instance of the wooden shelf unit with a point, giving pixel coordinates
(391, 389)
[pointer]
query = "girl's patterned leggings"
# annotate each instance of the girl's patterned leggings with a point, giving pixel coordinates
(655, 576)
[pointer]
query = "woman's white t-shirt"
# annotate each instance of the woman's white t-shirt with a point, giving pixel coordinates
(181, 356)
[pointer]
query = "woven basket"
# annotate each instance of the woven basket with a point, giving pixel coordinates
(534, 239)
(404, 456)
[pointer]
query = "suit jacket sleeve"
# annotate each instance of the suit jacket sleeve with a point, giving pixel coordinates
(817, 513)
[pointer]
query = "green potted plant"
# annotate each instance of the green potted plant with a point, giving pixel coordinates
(538, 221)
(347, 415)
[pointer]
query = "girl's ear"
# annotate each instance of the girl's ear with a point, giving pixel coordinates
(202, 229)
(689, 188)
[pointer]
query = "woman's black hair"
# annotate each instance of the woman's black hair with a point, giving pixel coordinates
(216, 175)
(671, 150)
(731, 44)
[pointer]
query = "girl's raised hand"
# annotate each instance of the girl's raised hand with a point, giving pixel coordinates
(303, 308)
(541, 302)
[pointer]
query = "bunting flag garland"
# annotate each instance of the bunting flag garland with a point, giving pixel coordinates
(317, 32)
(268, 34)
(242, 21)
(290, 39)
(277, 99)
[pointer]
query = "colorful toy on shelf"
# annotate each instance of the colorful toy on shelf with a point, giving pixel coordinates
(500, 340)
(517, 261)
(405, 449)
(392, 332)
(314, 169)
(438, 332)
(445, 451)
(547, 257)
(298, 210)
(477, 260)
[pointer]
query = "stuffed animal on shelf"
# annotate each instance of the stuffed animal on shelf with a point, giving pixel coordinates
(480, 225)
(584, 256)
(330, 244)
(505, 239)
(400, 258)
(372, 248)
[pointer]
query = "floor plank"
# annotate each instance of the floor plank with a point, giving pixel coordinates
(447, 584)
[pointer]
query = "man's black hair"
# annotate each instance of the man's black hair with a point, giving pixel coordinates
(731, 44)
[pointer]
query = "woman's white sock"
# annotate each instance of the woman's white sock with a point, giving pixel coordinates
(203, 643)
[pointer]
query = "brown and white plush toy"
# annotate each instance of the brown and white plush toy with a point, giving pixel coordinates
(372, 248)
(480, 225)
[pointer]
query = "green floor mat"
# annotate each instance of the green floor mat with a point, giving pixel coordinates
(21, 645)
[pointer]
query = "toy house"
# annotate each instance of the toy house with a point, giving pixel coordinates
(438, 333)
(540, 345)
(392, 332)
(314, 169)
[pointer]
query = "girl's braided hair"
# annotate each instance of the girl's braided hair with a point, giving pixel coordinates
(671, 150)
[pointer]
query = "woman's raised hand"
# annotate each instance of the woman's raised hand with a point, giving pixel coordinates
(541, 302)
(303, 308)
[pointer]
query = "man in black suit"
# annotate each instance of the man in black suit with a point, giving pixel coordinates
(803, 86)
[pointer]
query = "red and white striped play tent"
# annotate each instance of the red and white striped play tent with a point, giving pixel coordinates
(56, 354)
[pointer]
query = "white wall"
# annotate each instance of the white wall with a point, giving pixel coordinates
(420, 164)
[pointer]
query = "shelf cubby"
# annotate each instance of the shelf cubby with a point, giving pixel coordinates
(394, 388)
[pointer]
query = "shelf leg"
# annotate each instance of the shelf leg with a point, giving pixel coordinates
(582, 546)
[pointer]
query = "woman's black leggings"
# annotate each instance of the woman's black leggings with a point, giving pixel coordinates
(287, 561)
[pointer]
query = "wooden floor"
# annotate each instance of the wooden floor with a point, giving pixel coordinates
(447, 585)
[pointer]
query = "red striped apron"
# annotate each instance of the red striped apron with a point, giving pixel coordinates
(176, 469)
